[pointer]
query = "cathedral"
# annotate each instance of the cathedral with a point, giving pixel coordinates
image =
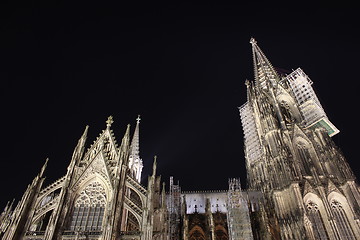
(300, 185)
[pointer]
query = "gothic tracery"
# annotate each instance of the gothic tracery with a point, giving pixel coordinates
(89, 208)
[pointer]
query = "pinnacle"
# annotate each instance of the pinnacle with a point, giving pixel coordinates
(253, 41)
(109, 121)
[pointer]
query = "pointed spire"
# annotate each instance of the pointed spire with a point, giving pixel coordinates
(125, 145)
(135, 162)
(154, 166)
(134, 152)
(80, 147)
(248, 90)
(82, 140)
(163, 196)
(43, 168)
(6, 208)
(263, 70)
(125, 140)
(84, 135)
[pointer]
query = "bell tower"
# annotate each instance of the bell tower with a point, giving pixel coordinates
(308, 185)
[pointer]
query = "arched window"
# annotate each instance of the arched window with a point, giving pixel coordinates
(197, 233)
(285, 109)
(288, 108)
(342, 221)
(221, 233)
(305, 157)
(135, 198)
(316, 221)
(89, 209)
(132, 223)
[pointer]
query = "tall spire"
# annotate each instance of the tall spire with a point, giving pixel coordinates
(134, 148)
(135, 162)
(80, 147)
(263, 70)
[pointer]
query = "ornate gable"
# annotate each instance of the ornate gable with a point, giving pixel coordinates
(308, 188)
(96, 167)
(332, 188)
(102, 158)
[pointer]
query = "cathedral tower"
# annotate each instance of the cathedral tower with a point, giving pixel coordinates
(309, 188)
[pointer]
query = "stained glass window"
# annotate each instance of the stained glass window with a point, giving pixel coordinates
(89, 209)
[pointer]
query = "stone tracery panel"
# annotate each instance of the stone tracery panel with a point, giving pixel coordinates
(316, 221)
(342, 221)
(89, 208)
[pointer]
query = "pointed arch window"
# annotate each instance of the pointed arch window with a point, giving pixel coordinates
(197, 233)
(305, 157)
(342, 221)
(285, 109)
(89, 209)
(316, 221)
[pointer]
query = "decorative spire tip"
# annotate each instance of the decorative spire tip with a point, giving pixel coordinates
(253, 41)
(138, 119)
(109, 121)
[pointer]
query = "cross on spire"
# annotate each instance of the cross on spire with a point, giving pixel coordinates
(138, 119)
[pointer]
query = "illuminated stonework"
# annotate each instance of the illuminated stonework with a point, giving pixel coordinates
(300, 185)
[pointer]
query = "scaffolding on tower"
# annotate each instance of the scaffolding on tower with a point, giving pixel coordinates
(174, 210)
(238, 213)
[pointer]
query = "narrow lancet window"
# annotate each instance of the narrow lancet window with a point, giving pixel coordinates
(342, 221)
(316, 221)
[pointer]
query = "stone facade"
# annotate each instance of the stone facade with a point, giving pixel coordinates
(300, 184)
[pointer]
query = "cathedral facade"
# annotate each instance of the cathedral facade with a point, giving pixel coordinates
(300, 184)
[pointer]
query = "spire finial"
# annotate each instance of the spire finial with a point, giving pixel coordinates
(154, 166)
(138, 119)
(109, 121)
(253, 41)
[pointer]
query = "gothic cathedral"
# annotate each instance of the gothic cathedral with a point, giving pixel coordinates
(300, 185)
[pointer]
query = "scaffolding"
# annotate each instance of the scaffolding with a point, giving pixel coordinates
(174, 210)
(239, 223)
(251, 138)
(309, 104)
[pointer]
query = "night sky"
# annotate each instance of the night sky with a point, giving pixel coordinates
(182, 67)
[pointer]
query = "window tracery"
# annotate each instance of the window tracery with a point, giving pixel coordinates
(305, 157)
(286, 110)
(316, 220)
(89, 209)
(342, 221)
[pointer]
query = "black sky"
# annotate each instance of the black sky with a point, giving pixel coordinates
(181, 66)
